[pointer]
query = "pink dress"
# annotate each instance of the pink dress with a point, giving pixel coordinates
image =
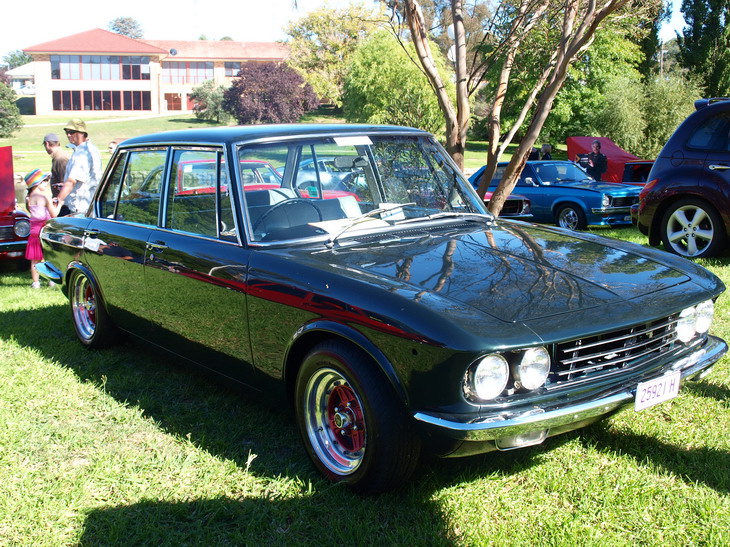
(38, 216)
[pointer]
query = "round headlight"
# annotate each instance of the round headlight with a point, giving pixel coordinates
(686, 325)
(489, 377)
(533, 369)
(22, 228)
(606, 201)
(704, 314)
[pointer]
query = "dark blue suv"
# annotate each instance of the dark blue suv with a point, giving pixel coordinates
(686, 202)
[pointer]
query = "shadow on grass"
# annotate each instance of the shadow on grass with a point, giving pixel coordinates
(703, 389)
(184, 402)
(696, 465)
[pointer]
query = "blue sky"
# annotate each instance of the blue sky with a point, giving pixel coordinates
(242, 20)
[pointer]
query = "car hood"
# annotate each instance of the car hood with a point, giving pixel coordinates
(514, 272)
(598, 186)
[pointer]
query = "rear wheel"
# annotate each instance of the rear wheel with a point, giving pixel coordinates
(692, 228)
(354, 428)
(93, 326)
(572, 217)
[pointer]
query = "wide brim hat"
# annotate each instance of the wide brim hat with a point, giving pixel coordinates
(76, 125)
(34, 178)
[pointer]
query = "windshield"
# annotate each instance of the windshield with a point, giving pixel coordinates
(344, 184)
(560, 171)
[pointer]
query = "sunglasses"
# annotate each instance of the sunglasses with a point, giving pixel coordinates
(71, 131)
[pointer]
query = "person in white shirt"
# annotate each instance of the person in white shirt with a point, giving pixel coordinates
(83, 170)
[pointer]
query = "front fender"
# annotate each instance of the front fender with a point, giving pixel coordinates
(311, 333)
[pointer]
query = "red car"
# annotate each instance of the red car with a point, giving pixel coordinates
(623, 167)
(14, 222)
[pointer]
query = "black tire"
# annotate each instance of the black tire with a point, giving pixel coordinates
(571, 216)
(692, 228)
(353, 426)
(93, 326)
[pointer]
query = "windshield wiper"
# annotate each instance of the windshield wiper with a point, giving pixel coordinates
(362, 218)
(470, 217)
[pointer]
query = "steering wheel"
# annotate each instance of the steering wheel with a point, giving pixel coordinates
(281, 204)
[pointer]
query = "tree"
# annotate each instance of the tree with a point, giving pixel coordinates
(641, 116)
(10, 120)
(16, 58)
(208, 98)
(567, 28)
(705, 42)
(323, 42)
(268, 93)
(126, 26)
(384, 86)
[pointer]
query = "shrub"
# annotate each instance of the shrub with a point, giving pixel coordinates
(268, 93)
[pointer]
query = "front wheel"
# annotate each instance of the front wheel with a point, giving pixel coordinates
(93, 326)
(693, 229)
(572, 217)
(354, 428)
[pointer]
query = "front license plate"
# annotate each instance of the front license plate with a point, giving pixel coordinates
(627, 218)
(657, 391)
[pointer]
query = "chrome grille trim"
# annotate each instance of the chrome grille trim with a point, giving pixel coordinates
(599, 355)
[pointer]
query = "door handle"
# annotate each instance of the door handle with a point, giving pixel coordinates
(156, 246)
(91, 233)
(714, 167)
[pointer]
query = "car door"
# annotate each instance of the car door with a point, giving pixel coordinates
(530, 185)
(715, 182)
(126, 213)
(195, 269)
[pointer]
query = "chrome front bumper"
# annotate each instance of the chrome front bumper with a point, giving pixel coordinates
(505, 431)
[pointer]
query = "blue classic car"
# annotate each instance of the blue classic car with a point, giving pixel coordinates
(394, 317)
(564, 194)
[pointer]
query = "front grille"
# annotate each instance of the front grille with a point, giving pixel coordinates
(6, 232)
(626, 201)
(596, 356)
(512, 207)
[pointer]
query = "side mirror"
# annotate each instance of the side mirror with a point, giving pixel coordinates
(530, 182)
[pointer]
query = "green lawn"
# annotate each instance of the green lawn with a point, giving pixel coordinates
(127, 447)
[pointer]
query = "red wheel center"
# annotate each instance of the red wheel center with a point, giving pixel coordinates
(90, 304)
(345, 418)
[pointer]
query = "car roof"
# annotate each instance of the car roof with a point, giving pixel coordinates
(223, 135)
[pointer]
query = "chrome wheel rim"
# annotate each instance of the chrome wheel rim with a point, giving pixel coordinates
(690, 230)
(83, 304)
(334, 422)
(568, 219)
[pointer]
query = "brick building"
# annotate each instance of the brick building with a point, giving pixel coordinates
(98, 71)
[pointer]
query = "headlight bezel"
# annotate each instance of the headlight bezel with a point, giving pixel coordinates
(694, 321)
(21, 228)
(511, 371)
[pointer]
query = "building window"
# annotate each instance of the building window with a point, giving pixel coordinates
(102, 100)
(100, 67)
(174, 101)
(232, 68)
(181, 72)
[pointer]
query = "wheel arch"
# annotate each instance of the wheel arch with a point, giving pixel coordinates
(655, 229)
(558, 204)
(79, 267)
(317, 332)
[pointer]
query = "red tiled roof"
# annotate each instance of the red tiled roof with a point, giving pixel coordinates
(96, 41)
(104, 42)
(224, 49)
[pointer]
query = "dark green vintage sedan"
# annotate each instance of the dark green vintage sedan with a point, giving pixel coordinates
(391, 309)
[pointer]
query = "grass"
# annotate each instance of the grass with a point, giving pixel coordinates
(125, 446)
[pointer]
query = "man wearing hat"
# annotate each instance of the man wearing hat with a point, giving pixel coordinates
(83, 170)
(59, 159)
